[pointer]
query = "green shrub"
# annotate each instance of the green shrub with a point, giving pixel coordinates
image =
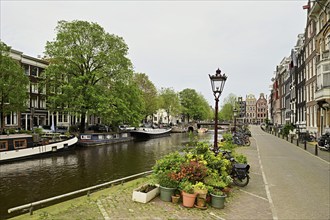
(38, 130)
(165, 180)
(240, 158)
(228, 137)
(187, 187)
(169, 163)
(286, 129)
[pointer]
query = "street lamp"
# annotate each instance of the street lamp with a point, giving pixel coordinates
(217, 83)
(235, 115)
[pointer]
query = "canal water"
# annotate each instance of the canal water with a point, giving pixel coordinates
(80, 167)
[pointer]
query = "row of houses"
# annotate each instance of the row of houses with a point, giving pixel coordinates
(300, 87)
(37, 114)
(252, 110)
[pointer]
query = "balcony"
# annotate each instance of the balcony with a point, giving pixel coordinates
(322, 94)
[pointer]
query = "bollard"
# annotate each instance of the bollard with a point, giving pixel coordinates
(305, 143)
(287, 138)
(316, 152)
(297, 141)
(291, 139)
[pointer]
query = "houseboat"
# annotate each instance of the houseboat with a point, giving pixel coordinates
(96, 139)
(148, 133)
(19, 146)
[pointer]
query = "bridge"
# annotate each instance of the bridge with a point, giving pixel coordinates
(212, 123)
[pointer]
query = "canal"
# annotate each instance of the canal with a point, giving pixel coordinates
(80, 167)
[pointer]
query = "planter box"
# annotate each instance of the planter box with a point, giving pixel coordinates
(143, 197)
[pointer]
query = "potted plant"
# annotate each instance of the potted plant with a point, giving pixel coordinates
(145, 193)
(167, 186)
(176, 197)
(201, 190)
(163, 170)
(217, 198)
(188, 195)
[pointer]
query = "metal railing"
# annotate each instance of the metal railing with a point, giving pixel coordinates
(88, 189)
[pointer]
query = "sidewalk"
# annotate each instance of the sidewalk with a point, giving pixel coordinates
(116, 202)
(311, 147)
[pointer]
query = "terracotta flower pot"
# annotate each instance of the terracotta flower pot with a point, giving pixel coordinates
(188, 200)
(175, 199)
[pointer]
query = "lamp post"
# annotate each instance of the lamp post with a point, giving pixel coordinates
(217, 82)
(235, 115)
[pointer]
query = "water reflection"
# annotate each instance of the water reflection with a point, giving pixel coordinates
(35, 179)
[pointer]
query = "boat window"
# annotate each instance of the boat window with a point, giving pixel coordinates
(85, 137)
(3, 145)
(20, 144)
(101, 137)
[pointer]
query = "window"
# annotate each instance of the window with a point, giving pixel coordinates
(34, 102)
(34, 71)
(62, 117)
(27, 69)
(20, 144)
(3, 145)
(43, 103)
(34, 87)
(11, 119)
(85, 137)
(326, 79)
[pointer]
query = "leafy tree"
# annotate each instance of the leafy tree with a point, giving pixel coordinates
(86, 65)
(169, 100)
(227, 109)
(226, 112)
(205, 110)
(194, 105)
(13, 84)
(129, 105)
(149, 94)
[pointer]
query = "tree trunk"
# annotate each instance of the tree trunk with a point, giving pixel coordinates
(82, 123)
(2, 127)
(2, 114)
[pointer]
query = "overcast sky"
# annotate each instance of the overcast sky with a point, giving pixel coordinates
(176, 43)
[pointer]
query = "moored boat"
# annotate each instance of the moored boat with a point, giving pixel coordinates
(19, 146)
(148, 133)
(96, 139)
(202, 130)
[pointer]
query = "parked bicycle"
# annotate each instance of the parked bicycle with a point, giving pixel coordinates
(241, 139)
(239, 171)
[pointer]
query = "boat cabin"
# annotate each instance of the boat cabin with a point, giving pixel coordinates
(15, 142)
